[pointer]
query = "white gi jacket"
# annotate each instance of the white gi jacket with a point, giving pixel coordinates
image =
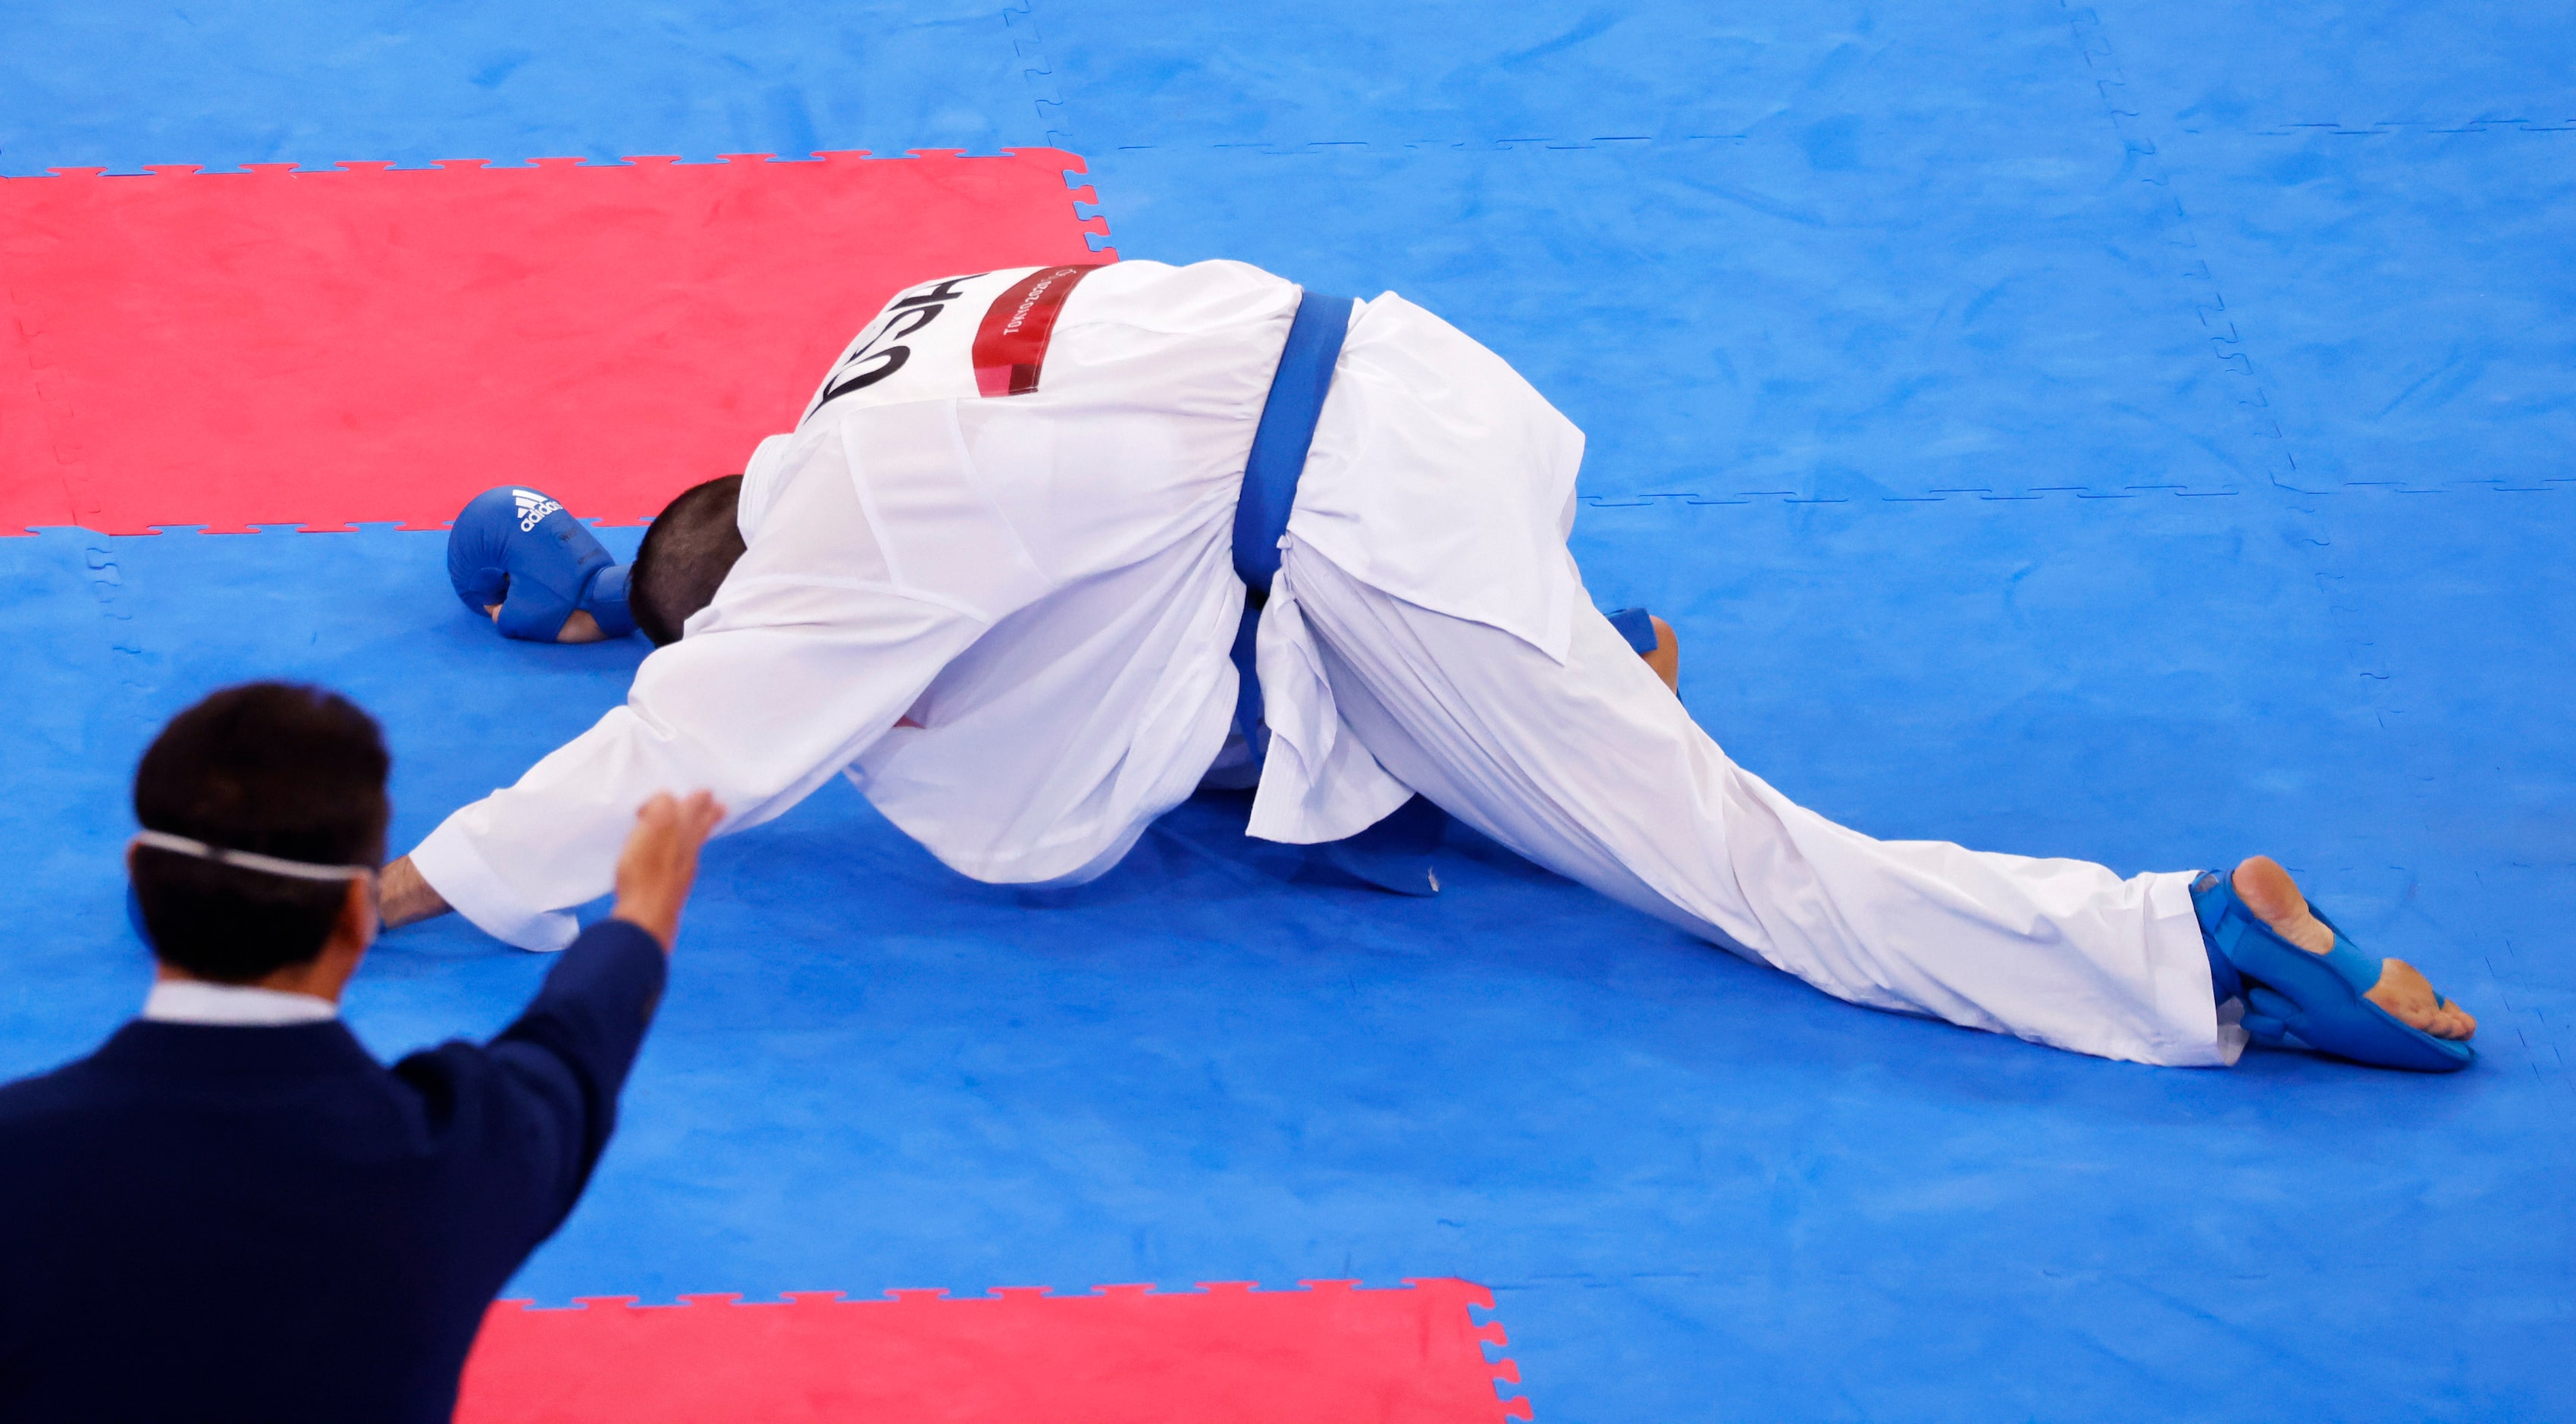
(1006, 617)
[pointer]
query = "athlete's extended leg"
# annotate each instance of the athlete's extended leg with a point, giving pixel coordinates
(1594, 769)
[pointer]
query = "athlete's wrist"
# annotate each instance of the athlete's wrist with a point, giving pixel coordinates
(407, 897)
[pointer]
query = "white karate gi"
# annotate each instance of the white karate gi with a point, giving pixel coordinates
(1043, 583)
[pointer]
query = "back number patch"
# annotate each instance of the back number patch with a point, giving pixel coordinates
(937, 359)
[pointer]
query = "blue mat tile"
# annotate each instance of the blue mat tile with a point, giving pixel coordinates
(231, 82)
(2398, 297)
(1675, 1167)
(1725, 320)
(2342, 63)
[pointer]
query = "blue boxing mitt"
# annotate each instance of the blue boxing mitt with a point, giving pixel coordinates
(525, 552)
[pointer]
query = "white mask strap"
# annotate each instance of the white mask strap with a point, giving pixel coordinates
(251, 860)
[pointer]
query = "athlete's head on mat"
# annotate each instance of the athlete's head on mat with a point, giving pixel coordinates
(686, 554)
(263, 811)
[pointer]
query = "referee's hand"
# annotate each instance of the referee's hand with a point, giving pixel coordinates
(660, 862)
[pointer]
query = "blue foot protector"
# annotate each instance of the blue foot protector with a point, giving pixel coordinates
(2301, 1000)
(1638, 627)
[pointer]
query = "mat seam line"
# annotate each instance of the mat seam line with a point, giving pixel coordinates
(2299, 519)
(2312, 524)
(1037, 70)
(1028, 43)
(2141, 156)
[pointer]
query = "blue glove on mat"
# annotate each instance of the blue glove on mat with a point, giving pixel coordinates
(517, 548)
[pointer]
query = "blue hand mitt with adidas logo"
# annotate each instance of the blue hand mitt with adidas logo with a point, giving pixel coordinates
(515, 547)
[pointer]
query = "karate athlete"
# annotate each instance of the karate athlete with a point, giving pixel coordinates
(996, 575)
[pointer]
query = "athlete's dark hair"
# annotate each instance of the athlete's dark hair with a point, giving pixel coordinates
(692, 545)
(270, 767)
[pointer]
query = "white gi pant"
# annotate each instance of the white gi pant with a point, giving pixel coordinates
(1595, 770)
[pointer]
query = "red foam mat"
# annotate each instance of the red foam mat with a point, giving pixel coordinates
(379, 344)
(1225, 1354)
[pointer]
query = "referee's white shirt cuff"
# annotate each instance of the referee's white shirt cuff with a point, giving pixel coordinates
(460, 875)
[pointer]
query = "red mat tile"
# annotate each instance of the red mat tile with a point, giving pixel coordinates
(371, 344)
(1226, 1354)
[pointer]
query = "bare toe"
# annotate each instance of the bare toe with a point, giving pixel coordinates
(2408, 996)
(2456, 1022)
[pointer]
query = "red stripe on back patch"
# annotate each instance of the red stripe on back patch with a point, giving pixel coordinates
(1011, 343)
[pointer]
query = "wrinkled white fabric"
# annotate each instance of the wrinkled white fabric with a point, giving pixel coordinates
(1591, 767)
(1439, 476)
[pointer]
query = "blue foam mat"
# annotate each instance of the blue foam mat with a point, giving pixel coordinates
(313, 83)
(2014, 406)
(1674, 1168)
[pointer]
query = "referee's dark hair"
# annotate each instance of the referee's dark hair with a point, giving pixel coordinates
(684, 558)
(270, 767)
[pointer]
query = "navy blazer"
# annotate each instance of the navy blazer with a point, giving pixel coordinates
(219, 1223)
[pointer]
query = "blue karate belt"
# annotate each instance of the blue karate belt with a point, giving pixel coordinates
(1286, 432)
(1394, 854)
(1279, 446)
